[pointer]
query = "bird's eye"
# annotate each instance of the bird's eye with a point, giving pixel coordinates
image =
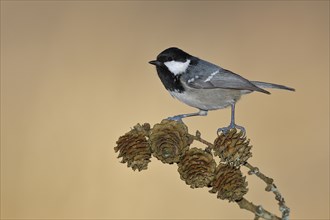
(169, 59)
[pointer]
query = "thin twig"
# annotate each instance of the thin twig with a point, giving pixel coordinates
(271, 187)
(257, 210)
(198, 137)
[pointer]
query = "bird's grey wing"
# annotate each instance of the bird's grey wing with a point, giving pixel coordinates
(206, 75)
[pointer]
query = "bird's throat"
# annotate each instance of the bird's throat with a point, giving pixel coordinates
(170, 81)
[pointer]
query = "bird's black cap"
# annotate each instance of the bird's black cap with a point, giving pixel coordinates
(173, 53)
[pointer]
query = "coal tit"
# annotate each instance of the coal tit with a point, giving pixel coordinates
(204, 85)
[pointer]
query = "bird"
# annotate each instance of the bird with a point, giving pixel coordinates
(204, 85)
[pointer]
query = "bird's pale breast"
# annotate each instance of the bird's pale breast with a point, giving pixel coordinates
(207, 99)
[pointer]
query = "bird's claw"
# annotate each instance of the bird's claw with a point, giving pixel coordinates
(177, 118)
(225, 130)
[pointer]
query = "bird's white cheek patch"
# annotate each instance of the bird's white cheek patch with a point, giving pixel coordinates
(177, 67)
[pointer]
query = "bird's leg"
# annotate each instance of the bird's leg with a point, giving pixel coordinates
(180, 117)
(232, 122)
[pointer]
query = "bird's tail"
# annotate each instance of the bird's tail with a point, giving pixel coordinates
(271, 86)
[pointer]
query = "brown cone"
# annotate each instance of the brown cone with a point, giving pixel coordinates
(232, 147)
(169, 140)
(229, 183)
(134, 147)
(197, 168)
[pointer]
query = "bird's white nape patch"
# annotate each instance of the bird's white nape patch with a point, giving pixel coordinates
(177, 67)
(211, 76)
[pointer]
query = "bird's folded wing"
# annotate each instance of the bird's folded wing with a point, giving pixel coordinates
(216, 77)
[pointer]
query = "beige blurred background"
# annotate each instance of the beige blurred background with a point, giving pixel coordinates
(75, 76)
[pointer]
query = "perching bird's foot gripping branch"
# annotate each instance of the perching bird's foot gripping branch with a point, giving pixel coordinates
(170, 142)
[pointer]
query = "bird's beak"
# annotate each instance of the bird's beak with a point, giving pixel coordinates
(155, 62)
